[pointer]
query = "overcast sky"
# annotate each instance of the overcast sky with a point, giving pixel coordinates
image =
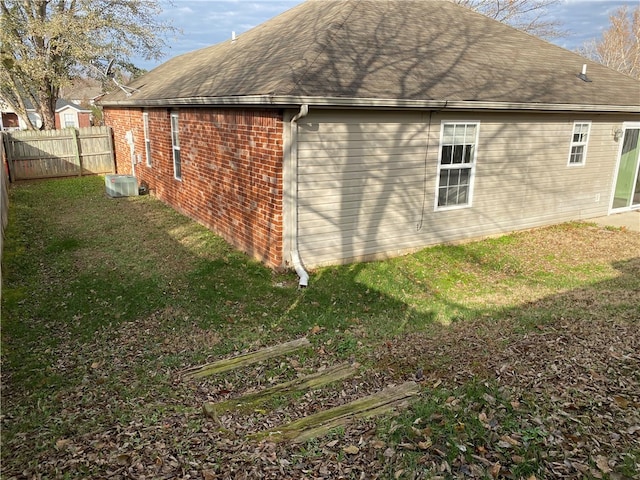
(207, 22)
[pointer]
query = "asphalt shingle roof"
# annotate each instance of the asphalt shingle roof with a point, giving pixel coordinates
(409, 50)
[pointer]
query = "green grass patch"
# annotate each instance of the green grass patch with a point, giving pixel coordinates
(105, 301)
(466, 430)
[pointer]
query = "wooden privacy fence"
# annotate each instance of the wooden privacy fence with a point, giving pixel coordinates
(59, 153)
(4, 204)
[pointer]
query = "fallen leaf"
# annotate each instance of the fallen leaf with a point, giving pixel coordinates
(425, 445)
(398, 474)
(351, 450)
(633, 429)
(62, 443)
(495, 470)
(208, 475)
(377, 444)
(489, 399)
(603, 464)
(332, 443)
(315, 330)
(123, 459)
(621, 401)
(581, 467)
(508, 439)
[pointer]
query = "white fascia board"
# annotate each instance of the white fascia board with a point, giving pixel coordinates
(339, 102)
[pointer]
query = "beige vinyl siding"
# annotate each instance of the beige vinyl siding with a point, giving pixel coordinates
(362, 181)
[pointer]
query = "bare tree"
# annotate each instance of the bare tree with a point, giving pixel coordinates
(619, 47)
(531, 16)
(45, 43)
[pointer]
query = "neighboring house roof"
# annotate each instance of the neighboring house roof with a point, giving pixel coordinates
(82, 90)
(64, 104)
(384, 53)
(60, 105)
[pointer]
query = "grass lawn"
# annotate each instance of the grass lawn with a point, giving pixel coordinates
(526, 348)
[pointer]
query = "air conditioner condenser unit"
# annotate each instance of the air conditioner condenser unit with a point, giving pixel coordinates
(121, 185)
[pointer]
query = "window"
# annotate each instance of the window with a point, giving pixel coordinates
(147, 140)
(69, 120)
(456, 164)
(579, 140)
(175, 143)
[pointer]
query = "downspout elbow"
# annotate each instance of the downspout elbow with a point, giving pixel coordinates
(297, 265)
(304, 111)
(295, 254)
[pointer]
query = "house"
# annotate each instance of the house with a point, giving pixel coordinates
(349, 130)
(67, 115)
(9, 119)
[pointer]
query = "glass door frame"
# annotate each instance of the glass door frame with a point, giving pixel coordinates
(625, 126)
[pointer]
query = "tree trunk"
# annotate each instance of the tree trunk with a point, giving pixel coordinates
(47, 107)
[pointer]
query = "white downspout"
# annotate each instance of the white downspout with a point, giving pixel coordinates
(295, 254)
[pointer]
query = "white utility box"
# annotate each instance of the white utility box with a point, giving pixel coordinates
(121, 185)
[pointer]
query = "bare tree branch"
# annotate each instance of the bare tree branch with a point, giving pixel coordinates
(528, 15)
(45, 43)
(619, 47)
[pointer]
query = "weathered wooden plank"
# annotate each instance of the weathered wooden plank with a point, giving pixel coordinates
(59, 153)
(322, 422)
(315, 380)
(246, 359)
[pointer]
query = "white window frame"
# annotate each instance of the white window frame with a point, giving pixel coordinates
(70, 120)
(147, 140)
(471, 165)
(175, 146)
(581, 143)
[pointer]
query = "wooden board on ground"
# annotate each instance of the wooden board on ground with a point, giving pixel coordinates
(322, 422)
(315, 380)
(246, 359)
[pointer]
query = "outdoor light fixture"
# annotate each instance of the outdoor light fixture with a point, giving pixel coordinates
(617, 134)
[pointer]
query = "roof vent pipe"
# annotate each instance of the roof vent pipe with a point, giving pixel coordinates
(583, 74)
(295, 254)
(233, 36)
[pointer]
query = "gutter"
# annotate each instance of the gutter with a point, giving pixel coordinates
(345, 102)
(293, 189)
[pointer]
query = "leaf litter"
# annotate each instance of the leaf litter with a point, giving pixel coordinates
(572, 382)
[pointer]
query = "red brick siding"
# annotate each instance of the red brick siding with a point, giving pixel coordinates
(84, 120)
(231, 170)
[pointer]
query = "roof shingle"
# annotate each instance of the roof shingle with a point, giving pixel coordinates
(405, 50)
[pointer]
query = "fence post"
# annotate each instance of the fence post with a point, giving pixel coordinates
(76, 149)
(8, 152)
(112, 148)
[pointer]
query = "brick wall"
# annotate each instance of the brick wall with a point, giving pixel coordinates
(231, 170)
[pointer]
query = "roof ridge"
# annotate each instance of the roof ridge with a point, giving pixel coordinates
(324, 47)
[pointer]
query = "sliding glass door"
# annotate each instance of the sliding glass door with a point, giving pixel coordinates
(626, 193)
